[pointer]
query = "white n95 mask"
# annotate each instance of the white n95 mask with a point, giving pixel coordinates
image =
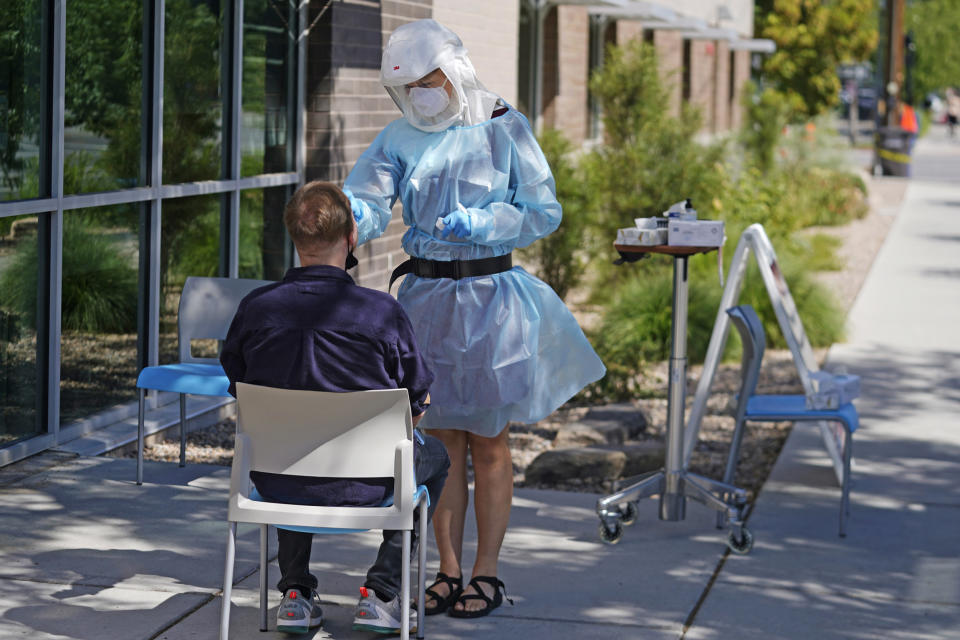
(429, 101)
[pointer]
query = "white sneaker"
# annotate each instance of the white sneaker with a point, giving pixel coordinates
(298, 613)
(373, 614)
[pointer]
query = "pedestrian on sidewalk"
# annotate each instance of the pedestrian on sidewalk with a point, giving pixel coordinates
(317, 330)
(953, 109)
(474, 186)
(909, 123)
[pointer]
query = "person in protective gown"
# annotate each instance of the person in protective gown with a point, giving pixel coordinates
(474, 185)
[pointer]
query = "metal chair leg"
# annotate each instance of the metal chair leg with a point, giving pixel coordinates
(405, 587)
(422, 569)
(845, 488)
(733, 458)
(140, 419)
(228, 582)
(183, 430)
(263, 576)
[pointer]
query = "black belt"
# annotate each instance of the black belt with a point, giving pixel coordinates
(453, 269)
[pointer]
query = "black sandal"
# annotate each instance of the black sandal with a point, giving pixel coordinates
(456, 588)
(492, 604)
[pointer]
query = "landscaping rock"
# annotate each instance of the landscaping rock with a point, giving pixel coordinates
(644, 456)
(578, 435)
(616, 422)
(563, 465)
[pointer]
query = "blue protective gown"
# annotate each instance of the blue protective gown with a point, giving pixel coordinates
(502, 347)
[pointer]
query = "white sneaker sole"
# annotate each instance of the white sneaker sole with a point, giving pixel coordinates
(297, 626)
(386, 630)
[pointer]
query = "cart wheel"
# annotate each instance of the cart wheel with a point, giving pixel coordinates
(742, 545)
(629, 513)
(611, 536)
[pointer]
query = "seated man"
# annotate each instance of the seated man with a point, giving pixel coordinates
(318, 330)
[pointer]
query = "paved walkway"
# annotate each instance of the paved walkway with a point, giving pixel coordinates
(86, 554)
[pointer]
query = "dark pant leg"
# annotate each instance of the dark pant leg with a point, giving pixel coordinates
(293, 556)
(430, 462)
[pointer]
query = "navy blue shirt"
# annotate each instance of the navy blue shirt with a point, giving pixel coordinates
(318, 330)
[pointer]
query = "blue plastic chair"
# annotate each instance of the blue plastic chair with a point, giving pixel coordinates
(358, 434)
(780, 408)
(207, 307)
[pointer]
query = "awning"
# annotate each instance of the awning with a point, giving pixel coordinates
(757, 45)
(710, 33)
(644, 11)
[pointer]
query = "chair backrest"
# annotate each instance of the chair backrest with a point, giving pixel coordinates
(207, 307)
(754, 340)
(315, 433)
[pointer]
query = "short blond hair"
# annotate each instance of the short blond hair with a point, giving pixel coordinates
(319, 213)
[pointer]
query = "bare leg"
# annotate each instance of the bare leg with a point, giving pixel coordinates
(493, 495)
(451, 508)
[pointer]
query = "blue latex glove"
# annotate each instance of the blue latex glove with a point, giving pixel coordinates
(459, 223)
(354, 205)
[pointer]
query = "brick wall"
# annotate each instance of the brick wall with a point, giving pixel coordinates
(550, 86)
(741, 74)
(565, 71)
(721, 86)
(669, 46)
(627, 30)
(702, 75)
(489, 32)
(347, 106)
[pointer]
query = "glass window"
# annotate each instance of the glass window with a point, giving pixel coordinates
(192, 98)
(98, 343)
(265, 252)
(189, 246)
(268, 85)
(19, 289)
(103, 101)
(525, 59)
(21, 106)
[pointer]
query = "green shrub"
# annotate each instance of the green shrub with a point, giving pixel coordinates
(765, 115)
(789, 181)
(99, 288)
(194, 248)
(636, 328)
(558, 259)
(822, 317)
(636, 325)
(252, 220)
(835, 197)
(649, 159)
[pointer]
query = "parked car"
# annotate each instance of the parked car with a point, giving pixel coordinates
(866, 102)
(937, 107)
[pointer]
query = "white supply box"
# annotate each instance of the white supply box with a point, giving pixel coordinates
(641, 237)
(832, 390)
(695, 233)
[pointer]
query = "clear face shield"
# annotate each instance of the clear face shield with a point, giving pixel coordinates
(433, 102)
(426, 71)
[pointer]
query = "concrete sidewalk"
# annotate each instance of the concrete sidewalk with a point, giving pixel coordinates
(897, 574)
(86, 554)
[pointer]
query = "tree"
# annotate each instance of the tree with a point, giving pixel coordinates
(20, 110)
(649, 159)
(813, 37)
(935, 25)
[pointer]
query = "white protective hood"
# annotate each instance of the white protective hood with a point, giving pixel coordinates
(416, 49)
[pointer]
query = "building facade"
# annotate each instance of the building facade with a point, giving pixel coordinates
(160, 139)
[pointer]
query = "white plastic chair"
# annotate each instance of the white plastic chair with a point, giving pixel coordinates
(207, 307)
(360, 434)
